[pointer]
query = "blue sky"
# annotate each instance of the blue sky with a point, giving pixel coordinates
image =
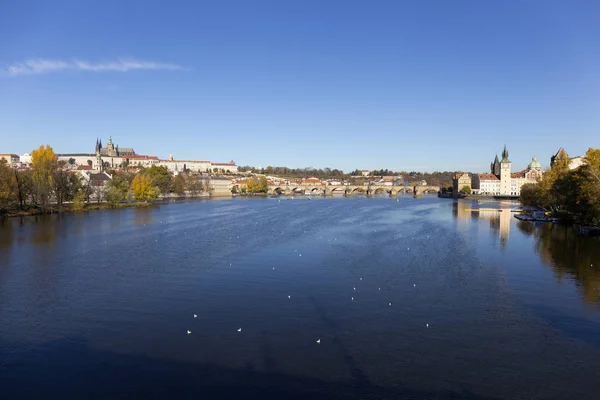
(403, 85)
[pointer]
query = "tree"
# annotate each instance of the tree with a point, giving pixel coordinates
(117, 190)
(25, 190)
(71, 161)
(90, 163)
(466, 189)
(531, 194)
(62, 185)
(178, 185)
(576, 192)
(194, 185)
(44, 162)
(143, 189)
(8, 186)
(79, 201)
(257, 185)
(160, 177)
(61, 163)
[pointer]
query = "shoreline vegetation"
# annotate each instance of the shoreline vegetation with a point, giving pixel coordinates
(68, 208)
(52, 186)
(571, 195)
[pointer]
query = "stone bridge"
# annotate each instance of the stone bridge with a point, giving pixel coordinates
(349, 190)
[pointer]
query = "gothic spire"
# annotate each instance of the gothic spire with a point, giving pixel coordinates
(505, 155)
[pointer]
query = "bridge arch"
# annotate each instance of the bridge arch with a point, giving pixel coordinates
(338, 190)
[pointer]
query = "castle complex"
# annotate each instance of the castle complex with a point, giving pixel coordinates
(114, 157)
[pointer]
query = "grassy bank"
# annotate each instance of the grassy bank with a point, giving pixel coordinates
(105, 206)
(30, 211)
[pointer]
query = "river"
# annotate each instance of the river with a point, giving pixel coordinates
(349, 298)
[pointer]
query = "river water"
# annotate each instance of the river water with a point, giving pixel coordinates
(415, 298)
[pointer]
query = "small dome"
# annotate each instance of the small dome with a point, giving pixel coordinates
(534, 164)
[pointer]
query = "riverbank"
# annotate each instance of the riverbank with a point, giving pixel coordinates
(67, 208)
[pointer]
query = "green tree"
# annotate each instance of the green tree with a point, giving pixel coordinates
(160, 177)
(61, 185)
(8, 186)
(531, 194)
(466, 189)
(178, 185)
(117, 189)
(79, 201)
(25, 190)
(71, 161)
(194, 185)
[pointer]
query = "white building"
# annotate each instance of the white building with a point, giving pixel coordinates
(119, 157)
(11, 159)
(25, 158)
(501, 181)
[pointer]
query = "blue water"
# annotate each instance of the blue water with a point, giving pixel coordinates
(420, 298)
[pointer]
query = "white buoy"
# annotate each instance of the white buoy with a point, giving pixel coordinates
(318, 341)
(195, 316)
(189, 332)
(239, 329)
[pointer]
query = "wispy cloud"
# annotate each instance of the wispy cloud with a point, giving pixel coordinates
(44, 66)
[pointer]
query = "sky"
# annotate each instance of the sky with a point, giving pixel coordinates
(403, 85)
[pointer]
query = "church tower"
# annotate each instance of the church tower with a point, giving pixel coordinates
(99, 164)
(505, 179)
(110, 147)
(495, 166)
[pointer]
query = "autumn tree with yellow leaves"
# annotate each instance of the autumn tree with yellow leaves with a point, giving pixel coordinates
(44, 162)
(142, 188)
(575, 191)
(8, 186)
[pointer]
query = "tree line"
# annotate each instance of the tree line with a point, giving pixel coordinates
(47, 185)
(575, 192)
(435, 178)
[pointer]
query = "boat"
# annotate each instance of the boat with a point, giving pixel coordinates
(526, 217)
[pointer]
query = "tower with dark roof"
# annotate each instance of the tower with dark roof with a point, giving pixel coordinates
(495, 166)
(505, 155)
(505, 174)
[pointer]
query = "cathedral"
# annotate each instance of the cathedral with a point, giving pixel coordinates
(111, 150)
(501, 181)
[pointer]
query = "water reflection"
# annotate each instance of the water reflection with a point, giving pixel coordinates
(499, 218)
(571, 256)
